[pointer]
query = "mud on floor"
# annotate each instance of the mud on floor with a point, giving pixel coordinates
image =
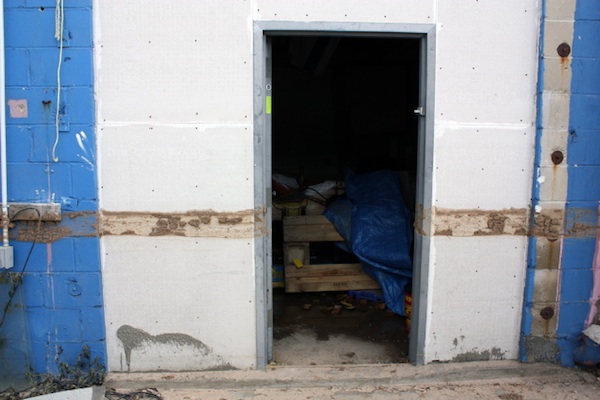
(334, 328)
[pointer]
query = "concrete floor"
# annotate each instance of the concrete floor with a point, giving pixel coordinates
(497, 380)
(331, 328)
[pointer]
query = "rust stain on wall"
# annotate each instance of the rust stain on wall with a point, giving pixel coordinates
(206, 223)
(547, 254)
(464, 223)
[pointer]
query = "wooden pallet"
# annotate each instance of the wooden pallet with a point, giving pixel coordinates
(300, 275)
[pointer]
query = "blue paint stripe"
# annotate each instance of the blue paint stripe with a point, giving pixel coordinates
(526, 317)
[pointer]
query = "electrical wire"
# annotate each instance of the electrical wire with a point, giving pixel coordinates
(20, 279)
(59, 21)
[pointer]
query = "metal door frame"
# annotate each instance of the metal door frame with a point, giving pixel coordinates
(262, 168)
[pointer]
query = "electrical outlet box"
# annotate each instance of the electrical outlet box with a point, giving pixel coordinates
(34, 211)
(6, 257)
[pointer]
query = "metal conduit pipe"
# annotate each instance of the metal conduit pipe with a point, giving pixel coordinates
(3, 173)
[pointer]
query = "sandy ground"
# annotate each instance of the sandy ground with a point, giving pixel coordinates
(504, 380)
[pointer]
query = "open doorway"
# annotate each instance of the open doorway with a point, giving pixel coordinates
(339, 104)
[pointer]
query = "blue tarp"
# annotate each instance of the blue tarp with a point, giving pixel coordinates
(376, 224)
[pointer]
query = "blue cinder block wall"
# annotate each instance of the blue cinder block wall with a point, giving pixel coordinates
(62, 284)
(583, 195)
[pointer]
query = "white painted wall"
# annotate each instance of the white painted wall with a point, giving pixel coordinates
(175, 97)
(177, 285)
(175, 115)
(486, 65)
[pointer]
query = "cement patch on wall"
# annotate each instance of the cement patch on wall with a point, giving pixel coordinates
(541, 349)
(207, 223)
(165, 350)
(176, 285)
(480, 222)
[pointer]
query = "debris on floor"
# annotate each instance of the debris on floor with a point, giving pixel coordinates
(335, 325)
(137, 394)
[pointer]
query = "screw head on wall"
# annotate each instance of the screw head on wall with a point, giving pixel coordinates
(557, 157)
(547, 313)
(563, 49)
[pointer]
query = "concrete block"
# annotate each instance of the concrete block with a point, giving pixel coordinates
(42, 184)
(584, 113)
(84, 181)
(79, 24)
(572, 317)
(39, 347)
(544, 319)
(19, 144)
(60, 255)
(586, 41)
(541, 349)
(18, 24)
(578, 252)
(548, 221)
(547, 253)
(76, 67)
(17, 67)
(403, 11)
(545, 285)
(77, 102)
(561, 10)
(34, 289)
(73, 146)
(584, 184)
(554, 140)
(67, 325)
(585, 80)
(555, 33)
(80, 106)
(40, 105)
(92, 324)
(87, 254)
(587, 10)
(75, 291)
(553, 183)
(581, 218)
(555, 110)
(40, 324)
(576, 284)
(37, 260)
(557, 74)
